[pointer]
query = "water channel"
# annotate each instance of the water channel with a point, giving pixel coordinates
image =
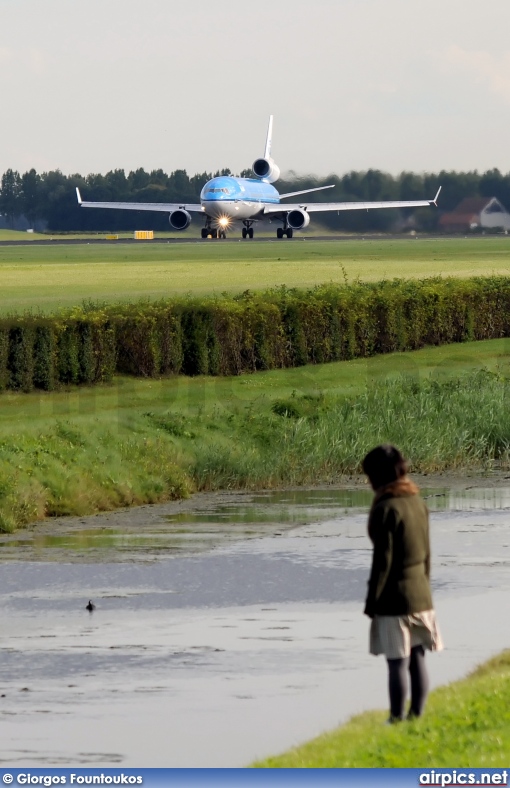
(226, 628)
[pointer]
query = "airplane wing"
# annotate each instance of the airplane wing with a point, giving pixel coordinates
(348, 206)
(166, 207)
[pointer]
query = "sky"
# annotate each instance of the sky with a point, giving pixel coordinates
(94, 85)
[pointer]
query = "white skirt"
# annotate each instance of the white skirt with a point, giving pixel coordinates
(395, 636)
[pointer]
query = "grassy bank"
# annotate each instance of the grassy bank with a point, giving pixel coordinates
(46, 278)
(466, 723)
(94, 449)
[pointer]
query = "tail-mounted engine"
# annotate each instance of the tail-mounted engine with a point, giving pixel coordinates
(180, 219)
(298, 219)
(266, 170)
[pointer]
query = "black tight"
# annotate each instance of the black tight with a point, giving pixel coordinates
(397, 675)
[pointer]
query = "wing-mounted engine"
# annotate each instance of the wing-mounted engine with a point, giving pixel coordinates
(180, 219)
(298, 219)
(266, 170)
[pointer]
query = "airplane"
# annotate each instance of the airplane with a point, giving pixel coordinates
(225, 200)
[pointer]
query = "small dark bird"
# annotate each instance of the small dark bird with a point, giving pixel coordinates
(90, 607)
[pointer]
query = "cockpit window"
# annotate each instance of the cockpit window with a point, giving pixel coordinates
(216, 191)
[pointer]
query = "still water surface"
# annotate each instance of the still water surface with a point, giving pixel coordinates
(226, 629)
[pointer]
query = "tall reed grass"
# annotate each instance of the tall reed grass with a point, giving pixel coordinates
(453, 424)
(79, 467)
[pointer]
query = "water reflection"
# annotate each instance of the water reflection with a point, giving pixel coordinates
(243, 517)
(226, 628)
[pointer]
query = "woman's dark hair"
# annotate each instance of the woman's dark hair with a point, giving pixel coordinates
(383, 465)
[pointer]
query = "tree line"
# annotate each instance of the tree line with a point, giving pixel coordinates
(50, 197)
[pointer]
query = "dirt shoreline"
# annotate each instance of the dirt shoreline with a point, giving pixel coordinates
(131, 517)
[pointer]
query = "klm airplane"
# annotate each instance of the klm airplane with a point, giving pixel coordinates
(226, 200)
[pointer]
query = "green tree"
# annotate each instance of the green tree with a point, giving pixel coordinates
(410, 186)
(139, 179)
(159, 178)
(118, 184)
(10, 203)
(30, 195)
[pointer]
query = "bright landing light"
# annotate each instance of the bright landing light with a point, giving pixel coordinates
(224, 221)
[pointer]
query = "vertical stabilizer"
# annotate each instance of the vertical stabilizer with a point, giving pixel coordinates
(265, 169)
(269, 139)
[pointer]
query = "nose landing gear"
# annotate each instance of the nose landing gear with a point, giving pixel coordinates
(213, 232)
(209, 232)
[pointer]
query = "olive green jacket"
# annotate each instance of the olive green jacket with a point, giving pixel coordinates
(398, 526)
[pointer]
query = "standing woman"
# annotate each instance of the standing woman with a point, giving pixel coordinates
(399, 600)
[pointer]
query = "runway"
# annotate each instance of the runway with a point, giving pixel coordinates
(262, 239)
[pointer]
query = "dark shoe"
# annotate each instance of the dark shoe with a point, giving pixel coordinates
(393, 720)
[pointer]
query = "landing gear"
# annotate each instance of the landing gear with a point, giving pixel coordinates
(247, 230)
(281, 231)
(212, 232)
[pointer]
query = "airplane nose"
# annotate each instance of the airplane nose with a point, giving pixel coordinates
(216, 209)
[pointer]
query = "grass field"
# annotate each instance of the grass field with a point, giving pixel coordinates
(39, 410)
(466, 723)
(138, 441)
(142, 441)
(46, 278)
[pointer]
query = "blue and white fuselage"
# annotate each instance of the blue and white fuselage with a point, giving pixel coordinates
(225, 200)
(237, 198)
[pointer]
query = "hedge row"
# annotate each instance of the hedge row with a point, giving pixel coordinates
(48, 352)
(228, 336)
